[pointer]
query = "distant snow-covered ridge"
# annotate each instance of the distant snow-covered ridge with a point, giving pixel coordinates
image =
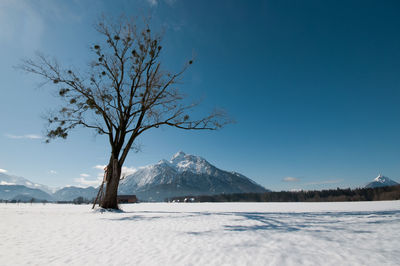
(19, 188)
(17, 180)
(381, 181)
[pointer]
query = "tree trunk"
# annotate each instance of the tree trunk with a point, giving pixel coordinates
(109, 200)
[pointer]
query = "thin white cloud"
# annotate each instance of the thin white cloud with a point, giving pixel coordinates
(100, 167)
(152, 2)
(291, 179)
(128, 170)
(125, 171)
(155, 2)
(52, 172)
(7, 183)
(83, 182)
(25, 22)
(27, 136)
(2, 171)
(325, 182)
(21, 22)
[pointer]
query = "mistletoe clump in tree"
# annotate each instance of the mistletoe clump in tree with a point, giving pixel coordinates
(124, 93)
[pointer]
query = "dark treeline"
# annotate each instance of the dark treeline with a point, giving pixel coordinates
(359, 194)
(78, 200)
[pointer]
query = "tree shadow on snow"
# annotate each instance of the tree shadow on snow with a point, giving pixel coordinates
(312, 222)
(153, 215)
(317, 222)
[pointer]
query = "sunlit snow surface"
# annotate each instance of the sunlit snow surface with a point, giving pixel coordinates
(358, 233)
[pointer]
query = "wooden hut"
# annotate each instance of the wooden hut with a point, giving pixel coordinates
(127, 199)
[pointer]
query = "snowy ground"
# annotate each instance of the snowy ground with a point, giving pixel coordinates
(358, 233)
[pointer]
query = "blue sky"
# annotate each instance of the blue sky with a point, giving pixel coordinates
(314, 87)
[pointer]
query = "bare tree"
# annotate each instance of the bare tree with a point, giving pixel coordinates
(124, 92)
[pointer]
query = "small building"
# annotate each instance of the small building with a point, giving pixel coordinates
(127, 199)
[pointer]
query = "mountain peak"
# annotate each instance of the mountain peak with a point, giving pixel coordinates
(381, 181)
(186, 162)
(380, 178)
(178, 156)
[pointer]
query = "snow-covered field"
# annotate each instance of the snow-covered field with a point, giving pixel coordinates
(357, 233)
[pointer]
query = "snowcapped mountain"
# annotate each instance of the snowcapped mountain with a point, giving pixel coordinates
(184, 174)
(19, 192)
(20, 188)
(71, 193)
(17, 180)
(381, 181)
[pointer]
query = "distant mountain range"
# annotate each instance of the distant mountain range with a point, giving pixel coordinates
(23, 193)
(17, 180)
(20, 188)
(183, 175)
(71, 193)
(381, 181)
